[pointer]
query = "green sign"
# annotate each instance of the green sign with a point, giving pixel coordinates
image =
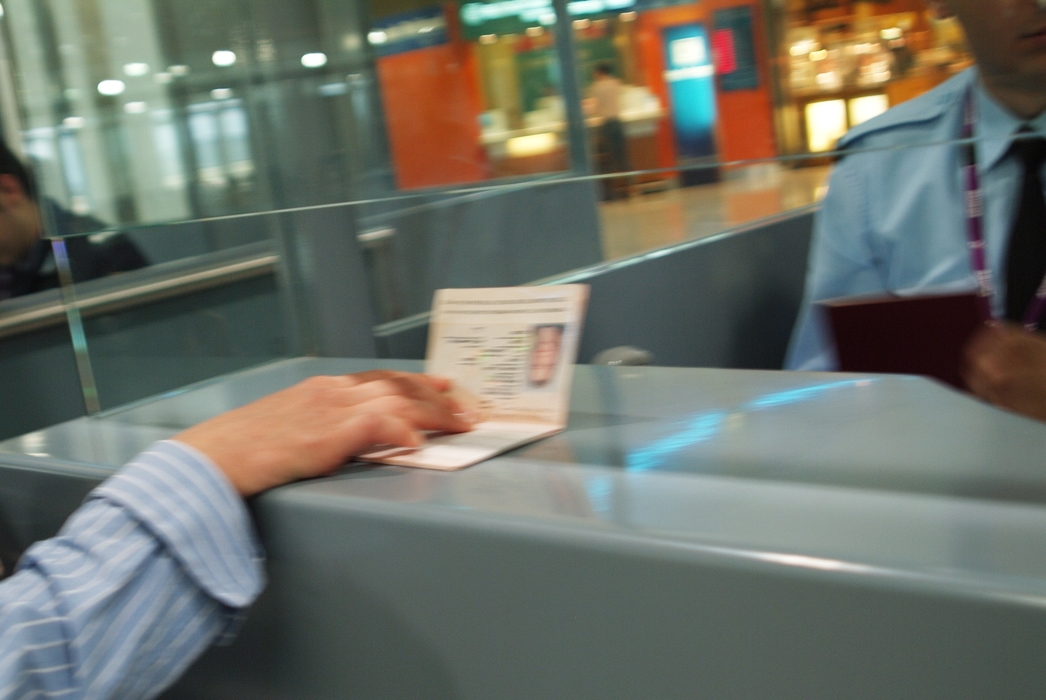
(514, 16)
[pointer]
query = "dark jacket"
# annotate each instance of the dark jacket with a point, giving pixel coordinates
(91, 254)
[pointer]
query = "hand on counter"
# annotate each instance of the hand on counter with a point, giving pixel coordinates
(1006, 366)
(315, 426)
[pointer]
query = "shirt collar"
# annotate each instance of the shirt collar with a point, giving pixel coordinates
(995, 127)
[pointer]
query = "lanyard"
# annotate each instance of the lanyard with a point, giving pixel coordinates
(973, 198)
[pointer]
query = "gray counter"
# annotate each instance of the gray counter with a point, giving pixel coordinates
(694, 533)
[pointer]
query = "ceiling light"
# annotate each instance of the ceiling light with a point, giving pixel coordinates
(314, 60)
(223, 59)
(135, 69)
(111, 87)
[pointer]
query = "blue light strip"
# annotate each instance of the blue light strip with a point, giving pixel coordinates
(705, 426)
(790, 396)
(701, 428)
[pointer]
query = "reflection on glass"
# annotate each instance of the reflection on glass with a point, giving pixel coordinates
(165, 120)
(27, 258)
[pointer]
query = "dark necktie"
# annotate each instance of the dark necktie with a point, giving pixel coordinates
(1026, 258)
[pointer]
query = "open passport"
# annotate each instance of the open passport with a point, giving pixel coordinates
(510, 352)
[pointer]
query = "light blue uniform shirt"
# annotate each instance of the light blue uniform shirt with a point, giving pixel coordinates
(893, 220)
(158, 563)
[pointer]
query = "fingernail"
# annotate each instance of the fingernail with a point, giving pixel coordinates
(467, 416)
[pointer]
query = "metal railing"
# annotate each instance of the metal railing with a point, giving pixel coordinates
(94, 301)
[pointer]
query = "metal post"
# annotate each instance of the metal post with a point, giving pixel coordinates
(577, 133)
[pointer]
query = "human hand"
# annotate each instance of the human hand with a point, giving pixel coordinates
(1006, 365)
(315, 426)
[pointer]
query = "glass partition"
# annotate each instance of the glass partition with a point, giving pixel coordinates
(256, 180)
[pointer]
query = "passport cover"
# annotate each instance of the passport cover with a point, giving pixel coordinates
(904, 335)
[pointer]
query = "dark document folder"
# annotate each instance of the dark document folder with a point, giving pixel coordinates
(904, 335)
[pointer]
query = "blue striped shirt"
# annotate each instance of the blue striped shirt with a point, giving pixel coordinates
(159, 562)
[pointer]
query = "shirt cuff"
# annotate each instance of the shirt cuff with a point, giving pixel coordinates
(180, 496)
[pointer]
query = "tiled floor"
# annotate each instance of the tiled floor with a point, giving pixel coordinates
(649, 221)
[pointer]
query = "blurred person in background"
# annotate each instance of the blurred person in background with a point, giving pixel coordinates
(605, 93)
(162, 559)
(895, 219)
(27, 262)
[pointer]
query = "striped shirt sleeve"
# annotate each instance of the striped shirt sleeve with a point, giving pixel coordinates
(158, 563)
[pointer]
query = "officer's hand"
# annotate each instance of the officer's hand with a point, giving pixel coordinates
(313, 427)
(1006, 365)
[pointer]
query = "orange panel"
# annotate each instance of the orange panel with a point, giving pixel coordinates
(746, 127)
(432, 106)
(651, 50)
(745, 117)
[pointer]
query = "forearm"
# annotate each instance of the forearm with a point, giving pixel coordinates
(141, 580)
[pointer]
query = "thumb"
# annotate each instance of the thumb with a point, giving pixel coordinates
(366, 430)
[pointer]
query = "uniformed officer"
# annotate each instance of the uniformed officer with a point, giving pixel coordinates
(895, 220)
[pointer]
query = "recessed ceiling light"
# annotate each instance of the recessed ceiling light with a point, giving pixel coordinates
(135, 69)
(111, 87)
(223, 59)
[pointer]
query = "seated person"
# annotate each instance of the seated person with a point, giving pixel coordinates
(162, 559)
(27, 262)
(895, 220)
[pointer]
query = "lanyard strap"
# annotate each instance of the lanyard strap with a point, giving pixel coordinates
(973, 197)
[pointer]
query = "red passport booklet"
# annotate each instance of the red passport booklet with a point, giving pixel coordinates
(904, 335)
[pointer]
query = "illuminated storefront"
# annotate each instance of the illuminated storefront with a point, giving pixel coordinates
(841, 63)
(475, 91)
(696, 87)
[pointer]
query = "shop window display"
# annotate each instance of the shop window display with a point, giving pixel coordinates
(865, 56)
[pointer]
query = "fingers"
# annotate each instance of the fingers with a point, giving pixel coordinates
(984, 368)
(1006, 366)
(364, 430)
(436, 383)
(410, 397)
(424, 415)
(409, 387)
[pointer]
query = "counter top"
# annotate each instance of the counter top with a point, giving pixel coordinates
(898, 478)
(693, 533)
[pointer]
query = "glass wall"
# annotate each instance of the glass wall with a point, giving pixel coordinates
(226, 182)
